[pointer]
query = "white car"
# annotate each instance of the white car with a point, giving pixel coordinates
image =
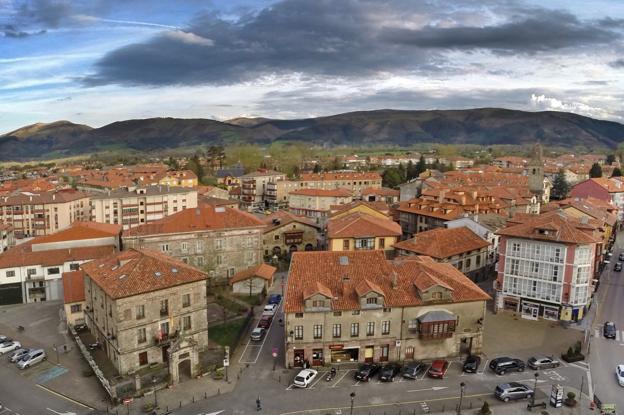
(305, 377)
(619, 372)
(9, 346)
(270, 309)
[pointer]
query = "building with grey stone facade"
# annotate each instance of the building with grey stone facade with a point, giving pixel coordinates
(218, 240)
(144, 307)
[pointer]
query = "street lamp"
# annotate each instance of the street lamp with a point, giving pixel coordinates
(155, 397)
(536, 374)
(462, 388)
(352, 395)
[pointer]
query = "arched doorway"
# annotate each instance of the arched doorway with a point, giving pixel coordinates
(184, 370)
(293, 248)
(309, 247)
(277, 250)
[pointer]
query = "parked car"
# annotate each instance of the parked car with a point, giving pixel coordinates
(471, 365)
(80, 327)
(512, 391)
(9, 346)
(265, 322)
(275, 299)
(609, 331)
(413, 369)
(621, 257)
(389, 371)
(543, 362)
(270, 309)
(32, 358)
(617, 267)
(619, 372)
(18, 354)
(305, 377)
(5, 339)
(501, 365)
(366, 371)
(258, 334)
(438, 368)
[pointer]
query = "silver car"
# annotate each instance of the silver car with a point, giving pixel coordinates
(512, 391)
(18, 354)
(32, 358)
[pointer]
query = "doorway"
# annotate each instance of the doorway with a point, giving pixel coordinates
(299, 357)
(165, 354)
(385, 352)
(369, 353)
(184, 370)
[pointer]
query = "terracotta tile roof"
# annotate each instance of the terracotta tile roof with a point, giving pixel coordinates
(339, 176)
(284, 217)
(26, 198)
(381, 191)
(359, 224)
(262, 173)
(595, 211)
(322, 192)
(443, 242)
(379, 206)
(204, 217)
(23, 255)
(554, 226)
(341, 273)
(264, 271)
(81, 230)
(610, 184)
(136, 272)
(73, 287)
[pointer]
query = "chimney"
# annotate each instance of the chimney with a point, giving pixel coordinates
(394, 280)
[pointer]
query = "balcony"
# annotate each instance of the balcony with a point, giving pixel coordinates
(165, 338)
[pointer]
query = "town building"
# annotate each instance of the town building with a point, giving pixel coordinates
(606, 189)
(255, 188)
(73, 297)
(546, 266)
(286, 233)
(219, 240)
(147, 308)
(178, 178)
(316, 203)
(32, 271)
(357, 306)
(38, 214)
(377, 209)
(460, 247)
(353, 181)
(485, 226)
(253, 280)
(7, 236)
(230, 176)
(135, 206)
(381, 194)
(360, 231)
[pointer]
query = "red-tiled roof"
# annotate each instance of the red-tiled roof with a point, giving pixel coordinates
(283, 217)
(73, 287)
(81, 230)
(443, 242)
(322, 192)
(553, 226)
(203, 217)
(135, 272)
(23, 255)
(381, 191)
(340, 176)
(59, 196)
(263, 271)
(340, 274)
(357, 224)
(379, 206)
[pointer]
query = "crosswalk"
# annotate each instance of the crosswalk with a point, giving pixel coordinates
(619, 334)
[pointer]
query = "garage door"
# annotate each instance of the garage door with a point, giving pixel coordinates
(11, 294)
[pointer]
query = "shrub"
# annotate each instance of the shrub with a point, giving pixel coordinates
(485, 409)
(571, 396)
(577, 347)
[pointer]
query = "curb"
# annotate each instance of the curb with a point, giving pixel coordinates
(62, 395)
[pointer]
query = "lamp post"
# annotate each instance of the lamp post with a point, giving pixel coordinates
(352, 395)
(462, 388)
(155, 397)
(536, 374)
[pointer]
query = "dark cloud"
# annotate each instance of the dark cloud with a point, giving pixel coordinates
(46, 13)
(13, 32)
(618, 63)
(349, 38)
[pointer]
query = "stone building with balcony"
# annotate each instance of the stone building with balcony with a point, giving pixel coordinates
(258, 188)
(32, 271)
(145, 307)
(286, 233)
(357, 306)
(360, 231)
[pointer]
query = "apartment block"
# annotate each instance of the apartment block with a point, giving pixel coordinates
(259, 189)
(317, 203)
(356, 182)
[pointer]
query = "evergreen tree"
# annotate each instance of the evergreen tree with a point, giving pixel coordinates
(402, 172)
(317, 168)
(421, 166)
(616, 172)
(560, 187)
(595, 171)
(410, 171)
(194, 165)
(391, 178)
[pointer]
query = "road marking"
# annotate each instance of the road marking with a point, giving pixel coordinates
(597, 333)
(590, 388)
(61, 413)
(290, 386)
(357, 383)
(531, 380)
(435, 388)
(67, 398)
(341, 378)
(580, 365)
(266, 336)
(319, 376)
(425, 373)
(484, 367)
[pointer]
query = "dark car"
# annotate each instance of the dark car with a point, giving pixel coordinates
(471, 365)
(501, 365)
(512, 391)
(621, 257)
(413, 369)
(275, 299)
(80, 327)
(543, 362)
(438, 369)
(265, 322)
(609, 330)
(366, 371)
(389, 371)
(617, 267)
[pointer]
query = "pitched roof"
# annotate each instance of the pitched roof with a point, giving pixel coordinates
(340, 176)
(443, 242)
(264, 271)
(357, 225)
(81, 230)
(23, 255)
(136, 272)
(73, 287)
(381, 191)
(283, 217)
(205, 217)
(27, 198)
(379, 206)
(342, 273)
(610, 184)
(323, 192)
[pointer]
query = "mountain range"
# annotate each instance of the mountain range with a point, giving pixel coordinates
(485, 126)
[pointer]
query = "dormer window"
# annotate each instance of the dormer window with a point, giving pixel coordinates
(371, 300)
(318, 303)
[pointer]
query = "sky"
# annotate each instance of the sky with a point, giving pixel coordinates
(99, 61)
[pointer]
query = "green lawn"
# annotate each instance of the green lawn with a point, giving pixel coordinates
(252, 300)
(227, 334)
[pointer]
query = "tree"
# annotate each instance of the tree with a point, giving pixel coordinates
(560, 187)
(173, 163)
(317, 168)
(421, 166)
(616, 172)
(194, 165)
(595, 171)
(410, 171)
(391, 178)
(610, 159)
(402, 172)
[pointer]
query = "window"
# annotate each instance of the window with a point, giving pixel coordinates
(345, 244)
(515, 247)
(186, 300)
(140, 312)
(382, 243)
(31, 271)
(355, 313)
(478, 261)
(218, 243)
(53, 270)
(437, 329)
(385, 327)
(164, 307)
(74, 267)
(76, 308)
(200, 246)
(337, 331)
(164, 247)
(355, 329)
(184, 246)
(276, 237)
(298, 315)
(337, 313)
(142, 358)
(141, 335)
(387, 310)
(515, 264)
(318, 331)
(318, 303)
(371, 300)
(186, 322)
(535, 267)
(460, 265)
(298, 332)
(370, 328)
(199, 261)
(10, 274)
(468, 264)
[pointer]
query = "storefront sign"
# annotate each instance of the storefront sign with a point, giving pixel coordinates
(336, 346)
